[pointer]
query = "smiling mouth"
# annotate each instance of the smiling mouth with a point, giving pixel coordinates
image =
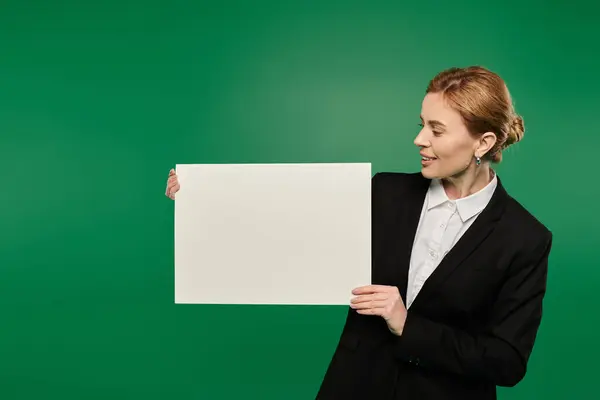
(428, 158)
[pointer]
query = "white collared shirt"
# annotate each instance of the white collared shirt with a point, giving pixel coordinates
(443, 222)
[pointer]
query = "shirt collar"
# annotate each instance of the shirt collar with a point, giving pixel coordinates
(468, 206)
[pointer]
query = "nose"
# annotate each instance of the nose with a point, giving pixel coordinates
(421, 139)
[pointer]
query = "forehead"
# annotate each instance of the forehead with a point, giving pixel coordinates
(434, 107)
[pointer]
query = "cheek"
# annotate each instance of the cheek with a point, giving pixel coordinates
(453, 154)
(445, 148)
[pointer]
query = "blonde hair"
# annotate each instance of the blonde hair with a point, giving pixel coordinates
(484, 102)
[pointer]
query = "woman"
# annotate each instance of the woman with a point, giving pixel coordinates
(458, 266)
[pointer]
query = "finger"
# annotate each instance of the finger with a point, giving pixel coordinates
(171, 172)
(362, 290)
(172, 190)
(373, 304)
(369, 297)
(380, 311)
(371, 289)
(173, 185)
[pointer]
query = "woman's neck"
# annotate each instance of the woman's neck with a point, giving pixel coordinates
(469, 182)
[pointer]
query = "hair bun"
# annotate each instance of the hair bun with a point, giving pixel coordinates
(515, 131)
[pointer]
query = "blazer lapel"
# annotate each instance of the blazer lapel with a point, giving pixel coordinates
(407, 222)
(471, 239)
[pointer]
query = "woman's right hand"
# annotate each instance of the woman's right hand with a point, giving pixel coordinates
(172, 185)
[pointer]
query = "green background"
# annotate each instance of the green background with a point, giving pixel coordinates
(99, 101)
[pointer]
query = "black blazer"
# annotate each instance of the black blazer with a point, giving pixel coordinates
(472, 326)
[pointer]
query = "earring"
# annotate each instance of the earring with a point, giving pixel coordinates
(477, 160)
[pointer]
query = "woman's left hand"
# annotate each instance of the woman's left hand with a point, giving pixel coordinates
(384, 301)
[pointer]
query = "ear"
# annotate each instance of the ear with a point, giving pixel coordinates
(485, 143)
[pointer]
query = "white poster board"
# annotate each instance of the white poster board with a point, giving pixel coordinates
(286, 234)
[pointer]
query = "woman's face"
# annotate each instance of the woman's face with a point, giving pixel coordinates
(446, 147)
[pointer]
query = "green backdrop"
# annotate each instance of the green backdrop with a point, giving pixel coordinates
(98, 101)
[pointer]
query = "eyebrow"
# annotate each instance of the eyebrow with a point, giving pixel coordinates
(434, 123)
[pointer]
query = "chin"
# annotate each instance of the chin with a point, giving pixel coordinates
(429, 173)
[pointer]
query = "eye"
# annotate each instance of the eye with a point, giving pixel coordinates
(437, 133)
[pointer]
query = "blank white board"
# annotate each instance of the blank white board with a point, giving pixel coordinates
(281, 234)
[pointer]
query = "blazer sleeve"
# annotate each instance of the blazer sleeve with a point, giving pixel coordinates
(499, 354)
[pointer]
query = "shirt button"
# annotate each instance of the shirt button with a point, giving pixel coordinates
(442, 225)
